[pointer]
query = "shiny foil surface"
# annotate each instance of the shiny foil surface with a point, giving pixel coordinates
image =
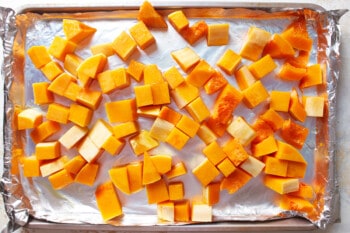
(27, 198)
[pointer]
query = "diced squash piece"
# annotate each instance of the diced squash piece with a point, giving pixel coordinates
(53, 166)
(313, 76)
(71, 63)
(75, 164)
(72, 136)
(44, 130)
(226, 167)
(216, 82)
(152, 74)
(106, 81)
(291, 73)
(198, 110)
(272, 118)
(278, 47)
(72, 91)
(170, 115)
(301, 60)
(281, 185)
(252, 166)
(195, 32)
(166, 211)
(241, 130)
(211, 193)
(280, 100)
(60, 84)
(182, 211)
(29, 118)
(255, 94)
(216, 126)
(173, 77)
(31, 166)
(135, 69)
(262, 67)
(161, 129)
(177, 138)
(41, 93)
(122, 79)
(184, 94)
(100, 132)
(214, 153)
(113, 145)
(218, 34)
(125, 129)
(60, 47)
(297, 35)
(89, 150)
(142, 142)
(294, 134)
(275, 166)
(162, 163)
(288, 202)
(305, 191)
(206, 134)
(120, 178)
(176, 191)
(143, 95)
(87, 175)
(229, 61)
(58, 113)
(150, 16)
(80, 115)
(314, 105)
(160, 93)
(188, 126)
(186, 58)
(205, 172)
(200, 74)
(51, 70)
(135, 176)
(235, 181)
(288, 152)
(61, 179)
(105, 48)
(92, 66)
(76, 31)
(235, 151)
(178, 169)
(124, 46)
(151, 111)
(254, 44)
(142, 36)
(201, 212)
(178, 20)
(262, 129)
(157, 192)
(296, 109)
(108, 201)
(244, 77)
(121, 111)
(296, 169)
(47, 150)
(265, 147)
(39, 55)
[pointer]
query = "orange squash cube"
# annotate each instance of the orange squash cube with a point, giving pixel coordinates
(205, 172)
(216, 127)
(142, 36)
(39, 56)
(300, 61)
(125, 129)
(280, 100)
(161, 129)
(229, 61)
(108, 201)
(135, 69)
(235, 181)
(122, 79)
(305, 191)
(58, 113)
(75, 164)
(152, 74)
(278, 47)
(275, 166)
(188, 126)
(31, 166)
(113, 145)
(176, 191)
(151, 111)
(91, 66)
(262, 129)
(226, 167)
(124, 46)
(296, 108)
(178, 20)
(211, 193)
(47, 150)
(41, 93)
(200, 74)
(61, 179)
(235, 151)
(105, 48)
(294, 134)
(182, 211)
(281, 185)
(218, 34)
(89, 150)
(29, 118)
(291, 73)
(106, 80)
(296, 169)
(216, 82)
(173, 77)
(142, 142)
(198, 110)
(135, 176)
(184, 94)
(51, 70)
(177, 138)
(272, 118)
(80, 115)
(313, 76)
(195, 32)
(288, 152)
(178, 169)
(44, 130)
(72, 136)
(254, 44)
(60, 84)
(71, 63)
(214, 153)
(120, 178)
(297, 35)
(121, 111)
(170, 115)
(201, 212)
(150, 16)
(157, 192)
(53, 166)
(255, 94)
(241, 130)
(60, 47)
(143, 95)
(314, 105)
(265, 147)
(244, 78)
(162, 163)
(288, 202)
(186, 58)
(262, 67)
(76, 31)
(160, 93)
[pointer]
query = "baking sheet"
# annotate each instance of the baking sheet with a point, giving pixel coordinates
(59, 206)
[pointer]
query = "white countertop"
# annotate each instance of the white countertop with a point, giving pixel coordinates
(343, 110)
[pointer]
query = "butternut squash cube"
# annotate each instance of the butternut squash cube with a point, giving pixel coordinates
(314, 106)
(281, 185)
(124, 46)
(135, 69)
(61, 179)
(44, 130)
(51, 70)
(200, 74)
(173, 77)
(142, 142)
(188, 126)
(262, 129)
(288, 202)
(294, 133)
(296, 169)
(100, 133)
(150, 16)
(252, 166)
(235, 151)
(58, 113)
(72, 136)
(41, 93)
(300, 61)
(297, 35)
(272, 118)
(151, 111)
(142, 36)
(241, 130)
(275, 166)
(229, 61)
(53, 166)
(211, 193)
(214, 153)
(313, 76)
(108, 201)
(184, 94)
(262, 67)
(29, 118)
(305, 191)
(216, 82)
(201, 212)
(296, 108)
(121, 111)
(186, 58)
(157, 192)
(75, 164)
(178, 169)
(244, 77)
(280, 100)
(226, 167)
(60, 47)
(91, 66)
(198, 110)
(47, 150)
(255, 94)
(170, 115)
(89, 150)
(161, 129)
(143, 95)
(160, 93)
(176, 191)
(205, 172)
(291, 73)
(87, 175)
(71, 63)
(265, 147)
(177, 138)
(106, 80)
(80, 115)
(178, 20)
(152, 74)
(76, 31)
(288, 152)
(72, 91)
(166, 211)
(125, 129)
(254, 44)
(135, 176)
(39, 56)
(278, 47)
(60, 84)
(104, 48)
(120, 178)
(122, 79)
(195, 32)
(235, 181)
(182, 211)
(162, 163)
(31, 166)
(218, 34)
(113, 145)
(206, 134)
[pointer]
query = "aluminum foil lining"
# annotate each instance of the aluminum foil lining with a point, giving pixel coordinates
(34, 197)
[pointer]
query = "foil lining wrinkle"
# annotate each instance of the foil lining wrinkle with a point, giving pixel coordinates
(36, 198)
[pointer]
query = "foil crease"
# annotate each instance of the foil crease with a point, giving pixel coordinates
(35, 198)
